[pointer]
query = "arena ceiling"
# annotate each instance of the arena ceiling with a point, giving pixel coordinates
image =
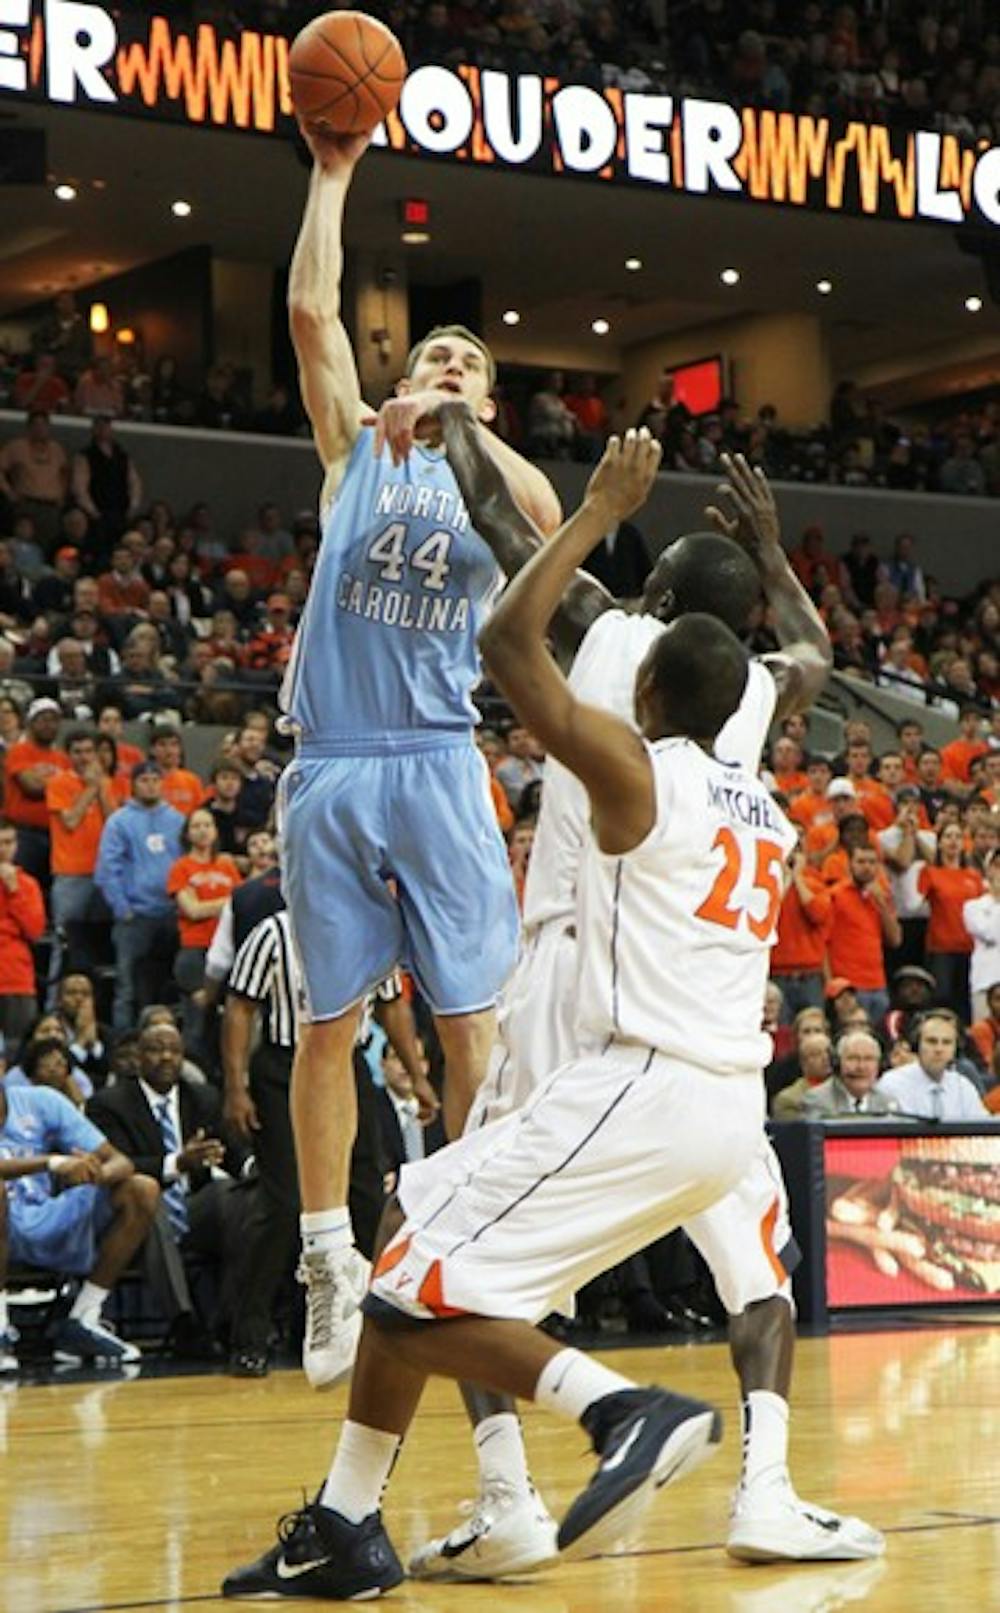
(554, 250)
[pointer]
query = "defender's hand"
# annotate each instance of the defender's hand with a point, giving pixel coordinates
(400, 421)
(753, 521)
(622, 481)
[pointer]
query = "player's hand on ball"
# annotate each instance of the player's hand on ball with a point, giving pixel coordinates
(335, 153)
(626, 473)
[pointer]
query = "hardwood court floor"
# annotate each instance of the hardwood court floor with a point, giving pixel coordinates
(140, 1495)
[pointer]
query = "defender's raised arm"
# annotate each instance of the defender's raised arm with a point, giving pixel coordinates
(605, 753)
(805, 660)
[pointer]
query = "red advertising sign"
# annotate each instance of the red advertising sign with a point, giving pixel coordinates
(912, 1220)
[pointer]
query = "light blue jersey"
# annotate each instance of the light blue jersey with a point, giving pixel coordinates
(385, 656)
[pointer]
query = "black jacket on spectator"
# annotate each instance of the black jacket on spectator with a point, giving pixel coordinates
(226, 823)
(109, 481)
(138, 693)
(124, 1116)
(53, 596)
(254, 802)
(15, 596)
(97, 1066)
(624, 569)
(255, 901)
(174, 640)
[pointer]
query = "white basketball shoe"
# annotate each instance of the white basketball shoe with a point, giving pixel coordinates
(768, 1523)
(506, 1532)
(335, 1284)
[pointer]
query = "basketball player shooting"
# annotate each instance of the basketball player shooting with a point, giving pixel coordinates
(746, 1238)
(657, 1116)
(392, 853)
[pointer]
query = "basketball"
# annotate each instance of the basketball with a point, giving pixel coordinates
(347, 71)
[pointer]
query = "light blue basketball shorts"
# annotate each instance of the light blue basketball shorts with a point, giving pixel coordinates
(396, 859)
(60, 1233)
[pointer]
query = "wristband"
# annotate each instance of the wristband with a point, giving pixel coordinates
(55, 1160)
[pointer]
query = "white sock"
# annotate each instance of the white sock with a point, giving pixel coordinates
(765, 1439)
(571, 1382)
(4, 1313)
(360, 1471)
(89, 1303)
(324, 1231)
(500, 1451)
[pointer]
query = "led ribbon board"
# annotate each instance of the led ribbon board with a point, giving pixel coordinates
(71, 53)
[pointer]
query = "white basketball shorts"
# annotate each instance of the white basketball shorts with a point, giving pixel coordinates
(535, 1024)
(612, 1152)
(746, 1238)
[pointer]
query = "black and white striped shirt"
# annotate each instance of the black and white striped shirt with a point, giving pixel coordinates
(266, 971)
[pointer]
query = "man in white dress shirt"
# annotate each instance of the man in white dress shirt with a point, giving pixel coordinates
(931, 1088)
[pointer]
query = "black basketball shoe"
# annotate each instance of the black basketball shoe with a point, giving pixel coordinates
(646, 1438)
(323, 1555)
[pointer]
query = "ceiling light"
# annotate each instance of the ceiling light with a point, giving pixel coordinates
(824, 287)
(973, 305)
(730, 277)
(415, 237)
(511, 317)
(66, 193)
(100, 319)
(181, 209)
(633, 264)
(600, 327)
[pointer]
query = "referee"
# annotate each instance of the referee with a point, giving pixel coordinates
(256, 1105)
(264, 980)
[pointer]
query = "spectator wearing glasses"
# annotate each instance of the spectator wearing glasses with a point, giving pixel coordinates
(851, 1090)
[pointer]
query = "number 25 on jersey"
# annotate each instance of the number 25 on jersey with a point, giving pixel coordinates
(719, 906)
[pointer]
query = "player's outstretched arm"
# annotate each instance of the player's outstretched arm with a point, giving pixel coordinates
(805, 659)
(512, 534)
(606, 754)
(328, 374)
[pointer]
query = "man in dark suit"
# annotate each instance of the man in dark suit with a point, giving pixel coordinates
(176, 1130)
(620, 562)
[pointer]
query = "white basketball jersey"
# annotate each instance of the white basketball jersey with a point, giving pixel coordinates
(674, 937)
(603, 674)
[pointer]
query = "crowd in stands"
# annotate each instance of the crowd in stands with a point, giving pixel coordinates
(124, 630)
(550, 417)
(959, 453)
(912, 65)
(889, 926)
(66, 372)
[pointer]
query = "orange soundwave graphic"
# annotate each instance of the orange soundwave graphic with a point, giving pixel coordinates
(242, 82)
